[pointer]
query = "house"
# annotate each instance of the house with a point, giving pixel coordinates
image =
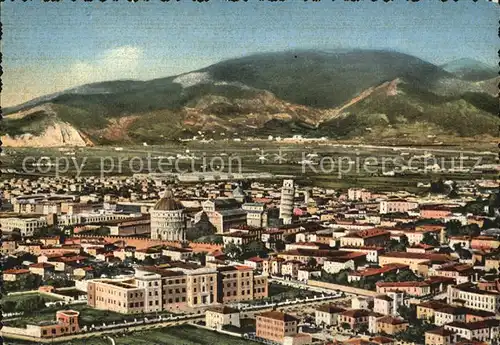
(327, 314)
(216, 317)
(305, 274)
(355, 318)
(255, 262)
(14, 274)
(446, 315)
(391, 325)
(239, 238)
(389, 303)
(426, 310)
(86, 272)
(290, 269)
(275, 326)
(42, 269)
(439, 336)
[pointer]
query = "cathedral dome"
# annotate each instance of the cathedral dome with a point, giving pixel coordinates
(168, 203)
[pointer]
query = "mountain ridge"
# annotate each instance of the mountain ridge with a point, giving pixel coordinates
(298, 91)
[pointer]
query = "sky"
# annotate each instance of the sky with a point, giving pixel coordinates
(49, 47)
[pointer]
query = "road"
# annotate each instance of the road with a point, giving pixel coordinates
(170, 323)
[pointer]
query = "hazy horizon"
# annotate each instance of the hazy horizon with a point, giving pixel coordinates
(54, 47)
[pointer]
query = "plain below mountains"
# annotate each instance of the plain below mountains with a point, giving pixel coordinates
(362, 94)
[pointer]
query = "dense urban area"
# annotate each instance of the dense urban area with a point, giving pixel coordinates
(145, 260)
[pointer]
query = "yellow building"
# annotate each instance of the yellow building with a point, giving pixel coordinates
(439, 336)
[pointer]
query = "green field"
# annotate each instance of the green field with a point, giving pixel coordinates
(88, 316)
(181, 335)
(243, 157)
(17, 298)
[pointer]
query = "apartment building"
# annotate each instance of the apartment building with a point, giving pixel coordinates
(397, 206)
(26, 226)
(372, 252)
(485, 243)
(412, 259)
(236, 283)
(201, 286)
(449, 314)
(365, 238)
(275, 326)
(471, 296)
(417, 289)
(460, 272)
(117, 296)
(426, 310)
(479, 330)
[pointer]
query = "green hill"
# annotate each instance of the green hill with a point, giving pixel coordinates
(312, 92)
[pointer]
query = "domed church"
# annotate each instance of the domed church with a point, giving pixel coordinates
(168, 219)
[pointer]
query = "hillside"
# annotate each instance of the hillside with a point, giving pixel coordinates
(338, 94)
(469, 69)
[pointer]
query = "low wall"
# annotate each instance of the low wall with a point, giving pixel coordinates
(344, 288)
(218, 330)
(33, 332)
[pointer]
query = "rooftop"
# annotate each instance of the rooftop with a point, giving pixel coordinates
(277, 315)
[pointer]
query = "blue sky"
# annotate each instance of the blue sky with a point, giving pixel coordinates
(49, 47)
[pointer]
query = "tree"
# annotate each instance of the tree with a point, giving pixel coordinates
(16, 234)
(453, 228)
(438, 187)
(30, 304)
(363, 328)
(279, 245)
(233, 251)
(403, 240)
(201, 257)
(345, 326)
(406, 276)
(311, 263)
(430, 239)
(255, 248)
(28, 282)
(407, 313)
(8, 306)
(148, 261)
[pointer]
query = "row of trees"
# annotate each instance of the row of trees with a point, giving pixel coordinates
(24, 283)
(26, 305)
(368, 283)
(254, 248)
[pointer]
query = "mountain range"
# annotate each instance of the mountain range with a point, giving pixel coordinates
(343, 94)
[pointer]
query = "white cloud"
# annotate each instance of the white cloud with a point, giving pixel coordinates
(25, 83)
(116, 63)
